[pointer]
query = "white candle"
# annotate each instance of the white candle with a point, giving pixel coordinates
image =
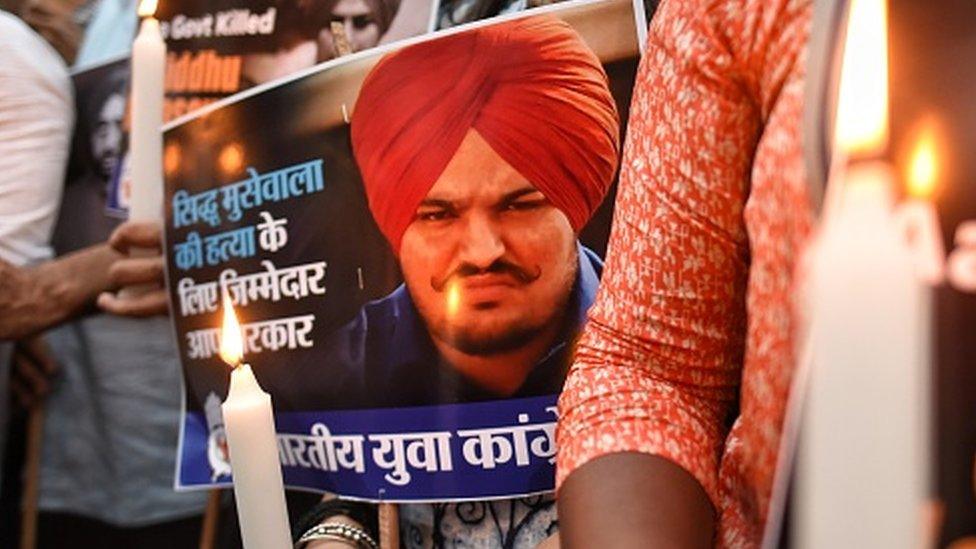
(145, 138)
(917, 215)
(862, 459)
(253, 448)
(862, 462)
(919, 223)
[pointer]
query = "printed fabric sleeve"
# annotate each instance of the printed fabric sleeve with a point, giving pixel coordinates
(658, 365)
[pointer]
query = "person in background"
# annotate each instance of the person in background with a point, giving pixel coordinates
(671, 417)
(36, 116)
(112, 412)
(36, 119)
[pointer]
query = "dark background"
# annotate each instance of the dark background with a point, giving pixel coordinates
(933, 72)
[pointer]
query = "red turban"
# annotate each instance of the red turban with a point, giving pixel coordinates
(531, 88)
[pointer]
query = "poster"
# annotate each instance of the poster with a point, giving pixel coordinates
(485, 156)
(98, 142)
(220, 47)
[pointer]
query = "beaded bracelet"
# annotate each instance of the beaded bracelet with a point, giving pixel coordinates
(363, 514)
(342, 532)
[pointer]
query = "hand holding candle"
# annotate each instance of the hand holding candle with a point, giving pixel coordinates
(253, 448)
(145, 137)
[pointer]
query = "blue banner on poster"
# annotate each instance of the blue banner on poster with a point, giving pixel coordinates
(479, 450)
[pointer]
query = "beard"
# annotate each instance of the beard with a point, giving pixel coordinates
(479, 342)
(491, 330)
(493, 335)
(106, 166)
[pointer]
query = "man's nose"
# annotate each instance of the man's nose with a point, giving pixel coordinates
(482, 243)
(352, 34)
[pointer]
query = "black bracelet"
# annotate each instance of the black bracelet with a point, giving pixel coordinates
(363, 513)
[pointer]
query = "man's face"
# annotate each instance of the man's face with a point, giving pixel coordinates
(107, 138)
(488, 260)
(359, 23)
(258, 68)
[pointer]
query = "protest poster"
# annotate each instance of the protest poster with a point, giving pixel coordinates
(292, 200)
(98, 141)
(220, 47)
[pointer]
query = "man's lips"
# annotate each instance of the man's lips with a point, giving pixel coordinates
(484, 281)
(482, 289)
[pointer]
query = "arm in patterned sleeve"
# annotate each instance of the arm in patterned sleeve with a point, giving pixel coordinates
(659, 363)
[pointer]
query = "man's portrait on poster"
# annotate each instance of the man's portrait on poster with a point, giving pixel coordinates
(480, 178)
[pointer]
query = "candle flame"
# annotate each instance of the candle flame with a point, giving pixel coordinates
(453, 299)
(147, 8)
(923, 167)
(862, 105)
(231, 341)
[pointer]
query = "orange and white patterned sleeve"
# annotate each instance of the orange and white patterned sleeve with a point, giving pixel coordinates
(658, 365)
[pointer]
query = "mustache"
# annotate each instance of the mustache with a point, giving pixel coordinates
(499, 267)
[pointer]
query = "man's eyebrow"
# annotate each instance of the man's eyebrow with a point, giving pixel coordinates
(436, 202)
(507, 198)
(519, 193)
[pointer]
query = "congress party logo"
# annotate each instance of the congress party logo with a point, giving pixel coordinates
(217, 454)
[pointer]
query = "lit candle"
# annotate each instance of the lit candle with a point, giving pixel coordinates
(862, 458)
(917, 215)
(253, 448)
(145, 137)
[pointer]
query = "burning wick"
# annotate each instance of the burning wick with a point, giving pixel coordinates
(231, 341)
